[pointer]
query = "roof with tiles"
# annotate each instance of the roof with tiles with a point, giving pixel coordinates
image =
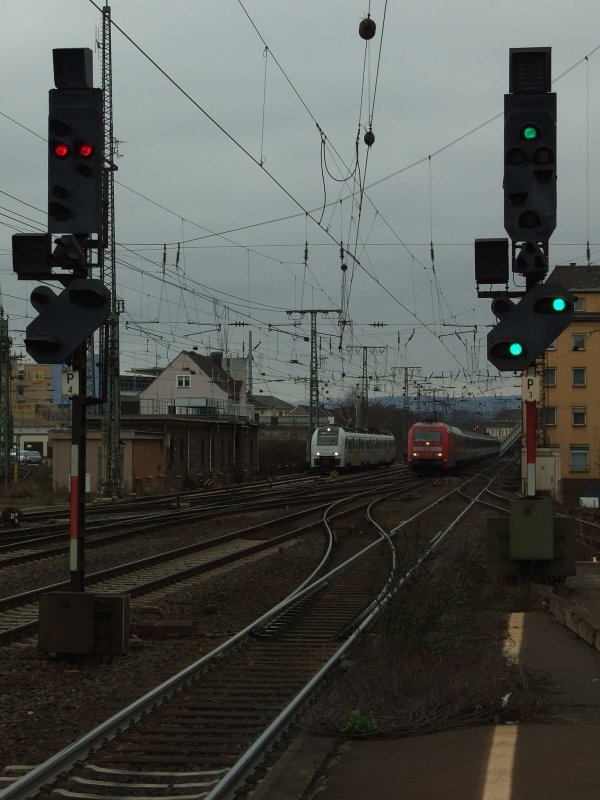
(574, 277)
(268, 401)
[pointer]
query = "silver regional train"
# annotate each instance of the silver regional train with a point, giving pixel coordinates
(341, 447)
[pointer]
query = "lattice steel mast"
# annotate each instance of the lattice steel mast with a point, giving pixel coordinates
(110, 330)
(6, 418)
(313, 409)
(363, 416)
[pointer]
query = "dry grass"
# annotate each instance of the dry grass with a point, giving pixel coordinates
(436, 660)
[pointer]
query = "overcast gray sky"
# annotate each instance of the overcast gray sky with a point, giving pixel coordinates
(250, 186)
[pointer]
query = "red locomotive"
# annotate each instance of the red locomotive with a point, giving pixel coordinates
(435, 447)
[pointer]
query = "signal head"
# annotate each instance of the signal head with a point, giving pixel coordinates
(75, 164)
(530, 166)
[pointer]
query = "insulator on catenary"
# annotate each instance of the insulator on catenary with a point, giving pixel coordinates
(366, 29)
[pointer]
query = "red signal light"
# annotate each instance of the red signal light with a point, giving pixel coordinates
(85, 149)
(61, 150)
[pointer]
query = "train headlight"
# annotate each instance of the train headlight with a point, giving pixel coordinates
(336, 453)
(439, 454)
(318, 453)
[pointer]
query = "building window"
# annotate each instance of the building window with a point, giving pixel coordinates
(579, 458)
(550, 415)
(550, 376)
(579, 415)
(184, 381)
(578, 341)
(580, 304)
(578, 376)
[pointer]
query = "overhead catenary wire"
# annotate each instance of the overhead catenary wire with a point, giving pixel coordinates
(311, 244)
(220, 127)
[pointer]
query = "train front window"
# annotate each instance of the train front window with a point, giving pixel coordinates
(427, 436)
(327, 436)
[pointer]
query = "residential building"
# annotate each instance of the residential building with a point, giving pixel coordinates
(191, 424)
(196, 385)
(572, 386)
(300, 415)
(36, 404)
(268, 409)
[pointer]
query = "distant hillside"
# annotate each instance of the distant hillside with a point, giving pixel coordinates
(443, 407)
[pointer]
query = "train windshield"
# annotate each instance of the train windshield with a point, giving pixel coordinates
(327, 436)
(427, 436)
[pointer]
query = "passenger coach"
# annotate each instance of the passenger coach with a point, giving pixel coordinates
(340, 447)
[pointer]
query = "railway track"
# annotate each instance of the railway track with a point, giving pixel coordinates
(32, 520)
(19, 613)
(230, 697)
(32, 543)
(587, 532)
(203, 732)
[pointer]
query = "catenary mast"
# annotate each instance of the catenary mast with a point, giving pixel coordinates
(110, 330)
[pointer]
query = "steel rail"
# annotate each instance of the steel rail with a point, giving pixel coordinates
(235, 778)
(26, 786)
(44, 774)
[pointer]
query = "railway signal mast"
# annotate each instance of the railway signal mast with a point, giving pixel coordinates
(526, 328)
(62, 331)
(66, 320)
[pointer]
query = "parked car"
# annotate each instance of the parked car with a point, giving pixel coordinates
(31, 456)
(27, 456)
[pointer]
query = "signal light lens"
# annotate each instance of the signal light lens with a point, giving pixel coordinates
(515, 349)
(552, 305)
(61, 150)
(530, 133)
(85, 150)
(529, 220)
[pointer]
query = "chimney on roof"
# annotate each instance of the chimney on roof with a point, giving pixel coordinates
(572, 264)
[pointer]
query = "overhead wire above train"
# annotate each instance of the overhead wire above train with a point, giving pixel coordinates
(312, 245)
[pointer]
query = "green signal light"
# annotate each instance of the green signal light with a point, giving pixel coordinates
(515, 349)
(559, 304)
(530, 132)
